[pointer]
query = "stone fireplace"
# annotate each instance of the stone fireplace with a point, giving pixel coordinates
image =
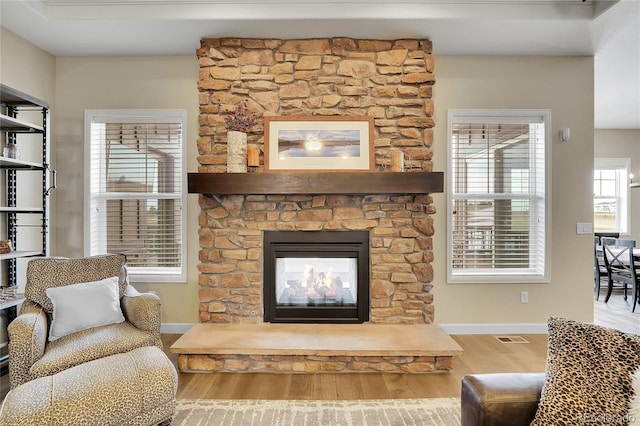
(241, 213)
(400, 229)
(388, 80)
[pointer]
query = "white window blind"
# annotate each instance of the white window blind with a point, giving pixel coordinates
(611, 194)
(497, 196)
(135, 190)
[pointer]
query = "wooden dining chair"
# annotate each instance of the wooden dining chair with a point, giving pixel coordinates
(599, 269)
(621, 266)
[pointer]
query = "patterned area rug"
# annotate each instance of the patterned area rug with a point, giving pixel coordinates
(396, 412)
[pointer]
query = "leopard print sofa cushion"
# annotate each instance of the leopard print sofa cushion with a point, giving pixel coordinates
(589, 375)
(44, 273)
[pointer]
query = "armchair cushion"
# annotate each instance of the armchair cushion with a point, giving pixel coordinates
(51, 272)
(77, 307)
(90, 344)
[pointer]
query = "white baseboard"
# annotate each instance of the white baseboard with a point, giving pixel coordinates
(175, 327)
(518, 328)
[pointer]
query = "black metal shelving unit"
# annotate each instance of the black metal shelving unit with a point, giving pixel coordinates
(14, 107)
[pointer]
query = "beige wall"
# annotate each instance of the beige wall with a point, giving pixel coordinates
(564, 85)
(26, 68)
(623, 144)
(124, 82)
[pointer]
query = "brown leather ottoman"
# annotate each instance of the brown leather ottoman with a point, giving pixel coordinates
(509, 399)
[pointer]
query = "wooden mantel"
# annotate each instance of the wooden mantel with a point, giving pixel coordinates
(270, 183)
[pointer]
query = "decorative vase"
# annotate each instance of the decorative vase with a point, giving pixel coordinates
(236, 152)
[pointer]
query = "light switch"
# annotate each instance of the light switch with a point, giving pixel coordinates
(584, 228)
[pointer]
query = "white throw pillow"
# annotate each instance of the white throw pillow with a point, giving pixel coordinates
(634, 405)
(81, 306)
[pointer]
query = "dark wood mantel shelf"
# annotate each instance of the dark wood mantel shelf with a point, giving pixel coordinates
(270, 183)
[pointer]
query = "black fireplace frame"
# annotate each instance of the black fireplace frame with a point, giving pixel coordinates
(316, 244)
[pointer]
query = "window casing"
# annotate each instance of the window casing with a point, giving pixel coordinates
(611, 195)
(499, 177)
(135, 190)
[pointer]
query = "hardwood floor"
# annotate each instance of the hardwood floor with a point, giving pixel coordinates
(482, 354)
(616, 313)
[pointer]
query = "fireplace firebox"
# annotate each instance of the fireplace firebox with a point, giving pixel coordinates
(316, 276)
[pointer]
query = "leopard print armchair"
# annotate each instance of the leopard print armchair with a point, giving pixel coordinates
(32, 355)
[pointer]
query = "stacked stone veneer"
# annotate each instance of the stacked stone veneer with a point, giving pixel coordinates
(388, 80)
(314, 363)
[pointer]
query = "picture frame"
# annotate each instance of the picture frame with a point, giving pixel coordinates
(318, 143)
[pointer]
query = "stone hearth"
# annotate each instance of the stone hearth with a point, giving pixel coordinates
(316, 348)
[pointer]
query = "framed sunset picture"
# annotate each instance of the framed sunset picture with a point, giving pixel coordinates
(323, 143)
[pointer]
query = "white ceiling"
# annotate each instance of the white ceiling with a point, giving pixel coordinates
(609, 30)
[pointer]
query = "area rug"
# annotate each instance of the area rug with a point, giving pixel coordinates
(432, 411)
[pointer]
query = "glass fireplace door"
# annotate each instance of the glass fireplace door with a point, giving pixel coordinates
(316, 276)
(326, 281)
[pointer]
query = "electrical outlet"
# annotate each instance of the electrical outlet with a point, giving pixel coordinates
(524, 297)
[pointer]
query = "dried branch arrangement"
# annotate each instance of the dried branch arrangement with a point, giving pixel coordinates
(241, 120)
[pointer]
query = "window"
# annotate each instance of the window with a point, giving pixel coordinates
(610, 195)
(135, 190)
(498, 208)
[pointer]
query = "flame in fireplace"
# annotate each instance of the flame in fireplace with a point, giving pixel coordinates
(320, 286)
(323, 281)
